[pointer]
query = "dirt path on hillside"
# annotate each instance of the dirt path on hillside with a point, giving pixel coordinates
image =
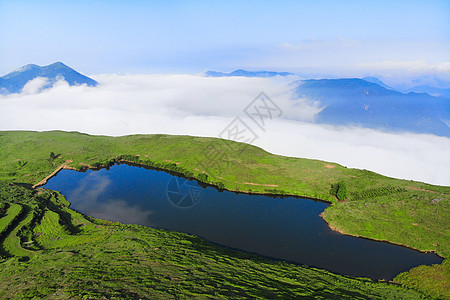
(261, 184)
(44, 181)
(418, 189)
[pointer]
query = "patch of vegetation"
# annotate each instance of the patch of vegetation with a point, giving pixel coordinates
(339, 190)
(377, 192)
(432, 280)
(378, 207)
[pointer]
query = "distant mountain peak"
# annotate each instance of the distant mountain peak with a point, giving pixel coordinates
(27, 67)
(358, 102)
(245, 73)
(58, 64)
(377, 81)
(15, 81)
(431, 90)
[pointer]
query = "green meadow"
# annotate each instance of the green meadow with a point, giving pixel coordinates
(49, 250)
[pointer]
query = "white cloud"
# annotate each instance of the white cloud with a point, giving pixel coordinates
(406, 74)
(407, 156)
(316, 44)
(204, 106)
(398, 61)
(416, 67)
(35, 86)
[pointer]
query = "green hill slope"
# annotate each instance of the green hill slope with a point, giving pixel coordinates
(374, 206)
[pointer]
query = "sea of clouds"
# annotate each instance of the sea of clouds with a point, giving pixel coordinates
(205, 106)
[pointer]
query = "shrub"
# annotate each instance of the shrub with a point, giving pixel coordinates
(342, 193)
(219, 184)
(339, 190)
(334, 188)
(203, 177)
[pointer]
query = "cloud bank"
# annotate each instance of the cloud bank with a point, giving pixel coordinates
(204, 106)
(35, 86)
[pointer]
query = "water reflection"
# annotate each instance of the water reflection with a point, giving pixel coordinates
(91, 198)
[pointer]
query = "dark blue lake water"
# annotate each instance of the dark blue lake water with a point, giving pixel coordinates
(283, 228)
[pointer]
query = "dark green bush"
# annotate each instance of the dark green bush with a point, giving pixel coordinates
(342, 193)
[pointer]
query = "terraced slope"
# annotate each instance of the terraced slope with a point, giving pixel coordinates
(11, 212)
(12, 244)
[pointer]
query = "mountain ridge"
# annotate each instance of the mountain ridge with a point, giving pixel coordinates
(378, 81)
(14, 81)
(354, 101)
(430, 90)
(245, 73)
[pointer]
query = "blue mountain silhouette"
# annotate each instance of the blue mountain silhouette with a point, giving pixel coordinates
(377, 81)
(358, 102)
(245, 73)
(16, 80)
(431, 90)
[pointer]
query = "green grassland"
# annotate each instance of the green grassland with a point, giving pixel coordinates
(404, 212)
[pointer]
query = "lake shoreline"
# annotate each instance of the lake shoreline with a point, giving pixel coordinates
(178, 174)
(52, 174)
(64, 166)
(375, 239)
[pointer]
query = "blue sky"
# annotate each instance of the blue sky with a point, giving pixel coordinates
(192, 36)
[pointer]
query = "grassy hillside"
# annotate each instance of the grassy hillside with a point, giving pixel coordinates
(56, 253)
(404, 212)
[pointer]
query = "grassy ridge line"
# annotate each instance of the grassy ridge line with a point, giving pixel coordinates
(106, 260)
(417, 216)
(13, 211)
(49, 229)
(12, 243)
